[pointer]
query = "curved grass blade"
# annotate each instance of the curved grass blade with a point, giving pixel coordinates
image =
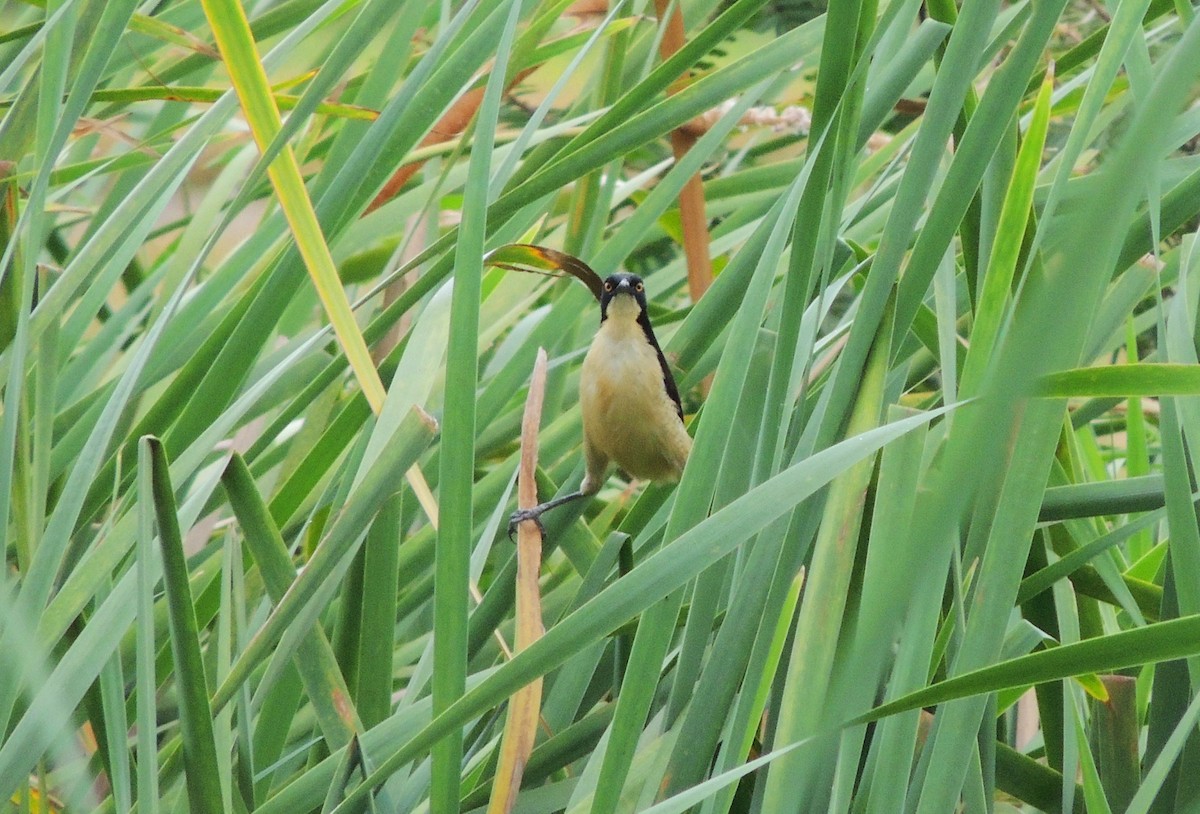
(541, 260)
(1163, 641)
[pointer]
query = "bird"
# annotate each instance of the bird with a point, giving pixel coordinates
(632, 416)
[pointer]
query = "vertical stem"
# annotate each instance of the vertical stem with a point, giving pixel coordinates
(691, 197)
(520, 728)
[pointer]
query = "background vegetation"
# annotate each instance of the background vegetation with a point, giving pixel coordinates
(943, 389)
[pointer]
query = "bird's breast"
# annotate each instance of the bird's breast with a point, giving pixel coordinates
(627, 413)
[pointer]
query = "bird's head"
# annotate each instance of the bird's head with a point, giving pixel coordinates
(623, 296)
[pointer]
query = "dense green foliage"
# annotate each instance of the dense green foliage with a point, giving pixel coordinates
(943, 391)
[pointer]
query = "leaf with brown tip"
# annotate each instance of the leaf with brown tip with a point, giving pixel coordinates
(541, 260)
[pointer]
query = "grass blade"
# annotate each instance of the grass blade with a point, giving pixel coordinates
(1161, 641)
(147, 575)
(204, 776)
(452, 562)
(996, 293)
(315, 661)
(236, 41)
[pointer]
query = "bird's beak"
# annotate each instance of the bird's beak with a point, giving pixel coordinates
(624, 287)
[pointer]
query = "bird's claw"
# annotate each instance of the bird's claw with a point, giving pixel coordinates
(520, 516)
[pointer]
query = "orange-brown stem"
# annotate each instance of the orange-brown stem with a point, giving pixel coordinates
(691, 197)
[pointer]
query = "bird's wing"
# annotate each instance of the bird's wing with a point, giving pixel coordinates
(668, 379)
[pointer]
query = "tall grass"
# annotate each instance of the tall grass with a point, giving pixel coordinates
(936, 547)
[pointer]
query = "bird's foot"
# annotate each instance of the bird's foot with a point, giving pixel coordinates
(520, 516)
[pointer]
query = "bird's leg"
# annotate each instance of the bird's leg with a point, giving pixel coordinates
(535, 514)
(593, 478)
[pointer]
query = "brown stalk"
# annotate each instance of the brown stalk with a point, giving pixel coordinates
(520, 728)
(691, 197)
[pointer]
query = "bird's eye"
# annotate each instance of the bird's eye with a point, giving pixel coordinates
(607, 285)
(639, 286)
